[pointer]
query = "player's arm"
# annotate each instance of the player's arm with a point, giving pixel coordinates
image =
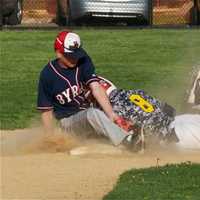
(44, 104)
(91, 80)
(100, 95)
(47, 122)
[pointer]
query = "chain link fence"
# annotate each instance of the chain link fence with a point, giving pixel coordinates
(39, 12)
(79, 12)
(174, 12)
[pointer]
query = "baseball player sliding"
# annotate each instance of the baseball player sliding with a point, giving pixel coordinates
(120, 113)
(61, 95)
(156, 118)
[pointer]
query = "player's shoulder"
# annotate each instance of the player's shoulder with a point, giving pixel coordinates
(47, 69)
(85, 62)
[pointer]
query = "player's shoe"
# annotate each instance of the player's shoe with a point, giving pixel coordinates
(135, 141)
(171, 137)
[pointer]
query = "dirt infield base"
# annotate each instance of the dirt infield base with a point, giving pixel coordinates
(36, 171)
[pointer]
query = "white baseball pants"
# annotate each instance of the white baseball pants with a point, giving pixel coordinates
(93, 121)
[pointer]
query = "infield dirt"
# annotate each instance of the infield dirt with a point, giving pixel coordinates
(35, 169)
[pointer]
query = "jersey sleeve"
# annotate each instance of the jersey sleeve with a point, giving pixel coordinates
(44, 101)
(88, 72)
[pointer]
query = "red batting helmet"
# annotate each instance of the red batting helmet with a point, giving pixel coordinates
(69, 43)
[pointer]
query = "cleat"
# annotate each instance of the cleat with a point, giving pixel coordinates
(135, 141)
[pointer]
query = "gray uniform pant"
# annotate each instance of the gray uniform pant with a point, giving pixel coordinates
(94, 121)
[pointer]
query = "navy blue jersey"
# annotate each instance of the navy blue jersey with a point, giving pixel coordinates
(61, 89)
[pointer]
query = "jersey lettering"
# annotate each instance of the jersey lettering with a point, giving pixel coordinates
(66, 96)
(75, 90)
(59, 97)
(142, 103)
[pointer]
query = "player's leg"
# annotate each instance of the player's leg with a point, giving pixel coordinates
(77, 124)
(94, 121)
(187, 129)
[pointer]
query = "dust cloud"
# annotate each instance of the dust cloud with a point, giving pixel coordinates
(66, 167)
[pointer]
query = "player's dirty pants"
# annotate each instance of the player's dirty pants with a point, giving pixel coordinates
(93, 121)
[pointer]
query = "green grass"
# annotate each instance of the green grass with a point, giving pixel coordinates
(171, 182)
(158, 61)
